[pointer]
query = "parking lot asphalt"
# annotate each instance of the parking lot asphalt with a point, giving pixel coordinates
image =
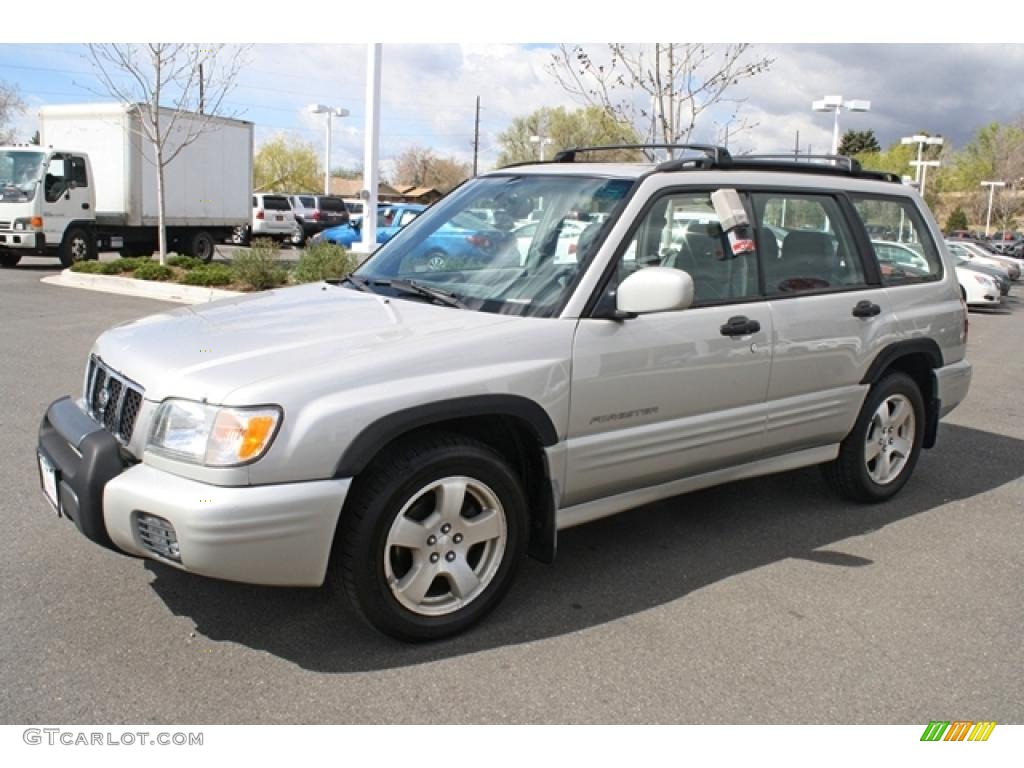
(764, 601)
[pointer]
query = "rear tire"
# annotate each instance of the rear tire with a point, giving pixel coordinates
(878, 456)
(431, 536)
(78, 245)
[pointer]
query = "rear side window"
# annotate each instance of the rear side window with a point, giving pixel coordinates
(805, 244)
(276, 203)
(905, 251)
(333, 204)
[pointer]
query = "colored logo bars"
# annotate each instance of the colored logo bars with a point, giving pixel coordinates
(958, 730)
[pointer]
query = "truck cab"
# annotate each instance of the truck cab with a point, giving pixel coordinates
(47, 205)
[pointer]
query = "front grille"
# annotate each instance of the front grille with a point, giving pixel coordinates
(5, 225)
(113, 401)
(157, 535)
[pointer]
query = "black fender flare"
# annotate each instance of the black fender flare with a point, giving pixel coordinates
(379, 433)
(932, 353)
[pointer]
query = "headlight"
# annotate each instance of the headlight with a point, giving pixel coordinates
(984, 280)
(211, 435)
(20, 225)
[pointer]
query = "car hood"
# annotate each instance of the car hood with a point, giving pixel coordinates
(207, 352)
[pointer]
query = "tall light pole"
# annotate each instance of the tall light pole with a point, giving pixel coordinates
(922, 169)
(921, 140)
(991, 191)
(319, 109)
(543, 141)
(371, 149)
(836, 104)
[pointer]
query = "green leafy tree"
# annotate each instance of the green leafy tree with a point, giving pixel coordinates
(858, 142)
(590, 126)
(957, 220)
(287, 164)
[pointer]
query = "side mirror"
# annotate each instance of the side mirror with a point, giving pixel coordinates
(655, 289)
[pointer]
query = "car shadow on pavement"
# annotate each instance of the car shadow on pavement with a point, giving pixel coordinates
(609, 569)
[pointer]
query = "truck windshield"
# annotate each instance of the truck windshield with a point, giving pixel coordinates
(480, 246)
(20, 172)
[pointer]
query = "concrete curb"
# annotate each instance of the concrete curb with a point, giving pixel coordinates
(149, 289)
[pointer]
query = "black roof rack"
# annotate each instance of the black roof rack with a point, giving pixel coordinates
(719, 157)
(835, 165)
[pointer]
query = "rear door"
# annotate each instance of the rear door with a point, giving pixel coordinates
(831, 315)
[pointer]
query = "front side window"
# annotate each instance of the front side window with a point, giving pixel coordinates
(905, 251)
(472, 243)
(682, 231)
(56, 182)
(806, 245)
(78, 174)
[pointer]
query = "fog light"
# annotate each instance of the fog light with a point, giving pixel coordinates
(158, 536)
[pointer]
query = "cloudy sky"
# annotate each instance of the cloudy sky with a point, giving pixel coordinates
(429, 90)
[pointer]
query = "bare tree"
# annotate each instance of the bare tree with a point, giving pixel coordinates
(663, 89)
(170, 83)
(10, 106)
(422, 168)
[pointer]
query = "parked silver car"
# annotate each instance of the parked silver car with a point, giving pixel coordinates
(426, 429)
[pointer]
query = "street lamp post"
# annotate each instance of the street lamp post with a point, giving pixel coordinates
(836, 104)
(319, 109)
(543, 141)
(921, 140)
(991, 191)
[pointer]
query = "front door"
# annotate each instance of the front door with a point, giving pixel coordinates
(665, 396)
(65, 195)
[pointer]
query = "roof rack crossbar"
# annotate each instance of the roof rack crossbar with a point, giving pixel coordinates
(851, 163)
(717, 155)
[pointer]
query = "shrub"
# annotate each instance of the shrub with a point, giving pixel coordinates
(125, 265)
(88, 267)
(153, 271)
(208, 274)
(185, 262)
(258, 267)
(321, 261)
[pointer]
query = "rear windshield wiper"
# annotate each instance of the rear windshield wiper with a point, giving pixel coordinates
(419, 289)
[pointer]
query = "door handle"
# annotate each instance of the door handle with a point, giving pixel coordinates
(740, 326)
(866, 308)
(85, 206)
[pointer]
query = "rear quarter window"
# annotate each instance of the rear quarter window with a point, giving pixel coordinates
(901, 241)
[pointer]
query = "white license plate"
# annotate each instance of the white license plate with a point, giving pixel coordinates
(279, 218)
(48, 476)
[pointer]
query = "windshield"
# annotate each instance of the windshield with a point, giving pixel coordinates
(481, 246)
(19, 175)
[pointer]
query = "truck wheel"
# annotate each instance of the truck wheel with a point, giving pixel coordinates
(78, 245)
(430, 540)
(878, 456)
(202, 246)
(8, 260)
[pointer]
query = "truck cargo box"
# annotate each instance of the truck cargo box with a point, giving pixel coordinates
(208, 184)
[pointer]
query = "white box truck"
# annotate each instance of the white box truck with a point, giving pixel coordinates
(91, 185)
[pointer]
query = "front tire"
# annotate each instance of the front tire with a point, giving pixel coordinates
(9, 260)
(78, 245)
(878, 456)
(202, 246)
(431, 537)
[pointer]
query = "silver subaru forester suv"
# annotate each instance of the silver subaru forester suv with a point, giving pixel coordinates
(419, 428)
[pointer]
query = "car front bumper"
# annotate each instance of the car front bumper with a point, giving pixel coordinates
(268, 534)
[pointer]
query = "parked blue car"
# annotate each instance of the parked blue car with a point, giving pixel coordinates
(462, 242)
(390, 219)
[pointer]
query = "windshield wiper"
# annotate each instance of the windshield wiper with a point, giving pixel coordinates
(358, 282)
(419, 289)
